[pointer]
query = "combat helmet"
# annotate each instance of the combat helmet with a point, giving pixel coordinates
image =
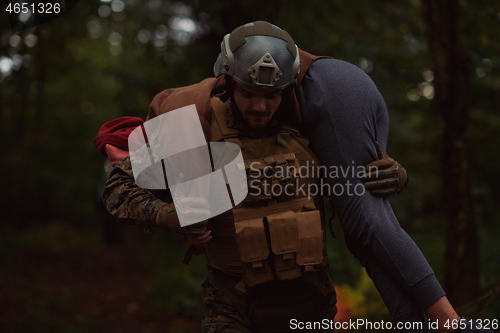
(259, 55)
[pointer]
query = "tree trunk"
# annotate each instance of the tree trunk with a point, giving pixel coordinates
(451, 66)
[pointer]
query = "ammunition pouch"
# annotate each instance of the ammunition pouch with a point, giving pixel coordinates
(280, 246)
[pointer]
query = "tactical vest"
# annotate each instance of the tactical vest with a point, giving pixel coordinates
(277, 232)
(265, 238)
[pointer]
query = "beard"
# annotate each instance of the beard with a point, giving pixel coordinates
(257, 120)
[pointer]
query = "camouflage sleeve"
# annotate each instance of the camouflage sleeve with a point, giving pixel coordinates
(128, 202)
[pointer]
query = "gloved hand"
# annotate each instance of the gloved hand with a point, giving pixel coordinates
(167, 217)
(385, 176)
(194, 208)
(197, 233)
(199, 239)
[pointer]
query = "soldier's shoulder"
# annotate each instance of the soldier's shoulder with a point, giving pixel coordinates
(175, 98)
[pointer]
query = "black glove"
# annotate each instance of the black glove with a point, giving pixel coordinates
(385, 176)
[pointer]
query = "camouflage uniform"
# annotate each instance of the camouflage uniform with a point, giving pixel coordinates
(219, 313)
(132, 204)
(224, 308)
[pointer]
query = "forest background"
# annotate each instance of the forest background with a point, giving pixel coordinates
(67, 268)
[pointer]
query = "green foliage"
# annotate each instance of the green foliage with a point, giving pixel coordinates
(363, 300)
(86, 68)
(176, 286)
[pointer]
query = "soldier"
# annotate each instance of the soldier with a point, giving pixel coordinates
(266, 257)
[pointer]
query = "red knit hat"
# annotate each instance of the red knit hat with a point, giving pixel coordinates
(115, 132)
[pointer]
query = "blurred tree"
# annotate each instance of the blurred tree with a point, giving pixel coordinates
(451, 66)
(105, 59)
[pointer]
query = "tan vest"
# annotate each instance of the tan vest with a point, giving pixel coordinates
(276, 233)
(269, 237)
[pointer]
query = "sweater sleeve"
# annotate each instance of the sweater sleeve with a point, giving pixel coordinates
(345, 115)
